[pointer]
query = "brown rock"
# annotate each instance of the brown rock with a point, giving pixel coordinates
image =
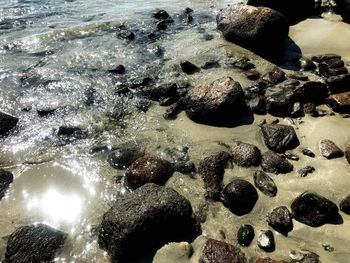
(280, 219)
(269, 260)
(274, 76)
(340, 102)
(330, 150)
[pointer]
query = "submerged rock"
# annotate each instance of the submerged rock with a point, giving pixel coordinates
(7, 123)
(6, 178)
(245, 235)
(345, 205)
(245, 154)
(125, 154)
(266, 240)
(340, 102)
(280, 219)
(265, 183)
(308, 152)
(313, 209)
(148, 169)
(34, 243)
(239, 196)
(216, 251)
(259, 29)
(147, 218)
(220, 102)
(279, 137)
(212, 171)
(330, 150)
(69, 131)
(189, 68)
(274, 163)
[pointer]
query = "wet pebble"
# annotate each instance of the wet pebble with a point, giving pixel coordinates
(6, 178)
(161, 15)
(266, 241)
(308, 152)
(45, 112)
(329, 149)
(69, 131)
(297, 110)
(252, 74)
(257, 104)
(189, 68)
(7, 123)
(279, 137)
(280, 219)
(291, 156)
(307, 64)
(303, 172)
(345, 205)
(275, 76)
(310, 109)
(265, 183)
(245, 235)
(126, 34)
(273, 163)
(184, 167)
(245, 154)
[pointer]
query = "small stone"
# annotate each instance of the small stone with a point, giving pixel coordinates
(310, 109)
(306, 170)
(338, 84)
(265, 183)
(345, 205)
(252, 74)
(280, 219)
(304, 257)
(216, 251)
(189, 68)
(188, 10)
(291, 156)
(161, 15)
(69, 131)
(307, 64)
(266, 241)
(243, 64)
(311, 91)
(245, 235)
(45, 112)
(308, 152)
(245, 154)
(279, 137)
(120, 69)
(126, 34)
(162, 25)
(185, 167)
(279, 100)
(330, 150)
(324, 57)
(347, 153)
(269, 260)
(273, 163)
(298, 76)
(7, 123)
(275, 76)
(257, 104)
(328, 248)
(6, 178)
(340, 102)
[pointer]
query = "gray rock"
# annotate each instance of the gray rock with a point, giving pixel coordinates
(265, 183)
(245, 154)
(6, 178)
(7, 123)
(273, 163)
(308, 152)
(275, 76)
(279, 138)
(330, 150)
(147, 218)
(304, 256)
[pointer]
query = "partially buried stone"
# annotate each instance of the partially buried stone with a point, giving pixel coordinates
(311, 91)
(148, 169)
(345, 205)
(313, 209)
(304, 256)
(125, 154)
(280, 219)
(265, 183)
(239, 196)
(7, 123)
(34, 243)
(291, 156)
(266, 241)
(245, 154)
(303, 172)
(279, 137)
(275, 76)
(6, 178)
(189, 68)
(245, 235)
(216, 251)
(308, 152)
(330, 150)
(279, 100)
(274, 163)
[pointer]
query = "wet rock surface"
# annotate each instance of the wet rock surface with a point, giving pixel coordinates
(245, 235)
(344, 205)
(329, 149)
(216, 251)
(266, 240)
(279, 137)
(34, 243)
(308, 152)
(340, 102)
(265, 183)
(314, 210)
(273, 163)
(239, 196)
(125, 154)
(311, 91)
(148, 169)
(347, 153)
(245, 154)
(280, 219)
(306, 170)
(7, 123)
(146, 218)
(338, 84)
(6, 178)
(275, 76)
(304, 256)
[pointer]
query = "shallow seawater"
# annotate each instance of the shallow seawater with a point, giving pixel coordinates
(56, 55)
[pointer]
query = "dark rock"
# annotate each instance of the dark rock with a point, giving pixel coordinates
(120, 69)
(245, 235)
(274, 76)
(306, 170)
(304, 256)
(332, 67)
(279, 100)
(245, 154)
(338, 84)
(307, 64)
(342, 7)
(126, 34)
(172, 112)
(311, 91)
(212, 171)
(147, 218)
(185, 167)
(310, 109)
(188, 10)
(347, 153)
(189, 68)
(243, 64)
(308, 152)
(280, 219)
(217, 103)
(298, 76)
(125, 154)
(266, 241)
(330, 150)
(239, 197)
(186, 18)
(162, 25)
(269, 260)
(297, 110)
(159, 92)
(332, 63)
(273, 163)
(265, 183)
(45, 112)
(161, 15)
(257, 104)
(291, 156)
(216, 251)
(148, 169)
(69, 131)
(7, 123)
(324, 57)
(6, 178)
(345, 205)
(279, 138)
(314, 210)
(252, 74)
(211, 64)
(340, 102)
(34, 243)
(259, 29)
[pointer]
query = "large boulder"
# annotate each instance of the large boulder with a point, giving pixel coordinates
(145, 219)
(217, 103)
(279, 138)
(259, 29)
(34, 243)
(293, 10)
(6, 178)
(7, 123)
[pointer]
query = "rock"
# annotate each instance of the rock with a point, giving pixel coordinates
(273, 163)
(257, 104)
(161, 15)
(245, 235)
(147, 218)
(185, 167)
(297, 110)
(330, 150)
(6, 178)
(338, 84)
(345, 205)
(279, 100)
(125, 154)
(340, 102)
(7, 123)
(217, 103)
(298, 76)
(266, 241)
(303, 172)
(243, 64)
(252, 74)
(291, 156)
(148, 169)
(259, 29)
(189, 68)
(239, 196)
(245, 154)
(69, 131)
(347, 153)
(162, 25)
(126, 34)
(293, 10)
(307, 64)
(279, 138)
(280, 219)
(324, 57)
(34, 243)
(160, 92)
(212, 171)
(172, 112)
(45, 112)
(120, 69)
(332, 67)
(304, 256)
(311, 91)
(314, 210)
(216, 251)
(265, 183)
(308, 152)
(310, 109)
(274, 76)
(269, 260)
